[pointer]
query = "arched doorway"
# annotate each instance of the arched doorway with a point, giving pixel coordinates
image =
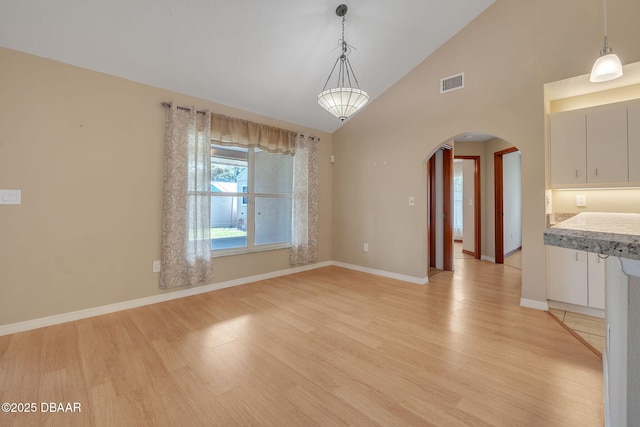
(485, 149)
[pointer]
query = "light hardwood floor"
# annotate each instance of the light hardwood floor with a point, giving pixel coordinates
(591, 329)
(326, 347)
(514, 260)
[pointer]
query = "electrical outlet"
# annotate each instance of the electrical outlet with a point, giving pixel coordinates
(366, 247)
(155, 268)
(581, 201)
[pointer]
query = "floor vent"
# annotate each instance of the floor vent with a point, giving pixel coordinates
(452, 83)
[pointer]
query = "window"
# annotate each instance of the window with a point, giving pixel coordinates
(251, 199)
(245, 189)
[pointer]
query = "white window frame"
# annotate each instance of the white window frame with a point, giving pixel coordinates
(250, 197)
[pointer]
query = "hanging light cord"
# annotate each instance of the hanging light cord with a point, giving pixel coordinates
(606, 48)
(348, 70)
(344, 43)
(343, 57)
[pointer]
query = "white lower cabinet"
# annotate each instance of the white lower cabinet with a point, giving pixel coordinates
(567, 275)
(596, 279)
(575, 277)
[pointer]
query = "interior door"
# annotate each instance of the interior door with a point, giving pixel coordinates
(499, 202)
(440, 215)
(475, 207)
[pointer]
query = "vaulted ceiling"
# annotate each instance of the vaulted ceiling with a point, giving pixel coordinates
(271, 57)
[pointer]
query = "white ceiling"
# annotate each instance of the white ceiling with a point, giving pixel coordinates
(473, 137)
(270, 57)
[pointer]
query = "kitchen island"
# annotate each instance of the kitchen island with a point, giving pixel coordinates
(615, 236)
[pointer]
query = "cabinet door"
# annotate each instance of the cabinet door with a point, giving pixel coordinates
(568, 151)
(633, 119)
(567, 275)
(595, 267)
(607, 146)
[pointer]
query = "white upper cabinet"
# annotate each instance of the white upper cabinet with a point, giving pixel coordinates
(598, 146)
(607, 146)
(634, 141)
(568, 160)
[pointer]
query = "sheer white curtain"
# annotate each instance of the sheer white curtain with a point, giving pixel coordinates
(186, 209)
(304, 228)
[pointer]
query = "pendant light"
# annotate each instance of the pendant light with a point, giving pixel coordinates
(346, 98)
(607, 66)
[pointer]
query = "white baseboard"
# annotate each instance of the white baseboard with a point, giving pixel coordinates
(538, 305)
(41, 322)
(403, 277)
(488, 258)
(168, 296)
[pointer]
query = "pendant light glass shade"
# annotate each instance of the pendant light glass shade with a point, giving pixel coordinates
(344, 99)
(607, 66)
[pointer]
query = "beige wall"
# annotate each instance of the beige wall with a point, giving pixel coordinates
(86, 149)
(508, 53)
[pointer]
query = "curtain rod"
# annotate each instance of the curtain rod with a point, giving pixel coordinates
(168, 104)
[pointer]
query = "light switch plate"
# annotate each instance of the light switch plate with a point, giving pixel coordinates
(10, 197)
(581, 200)
(548, 202)
(155, 268)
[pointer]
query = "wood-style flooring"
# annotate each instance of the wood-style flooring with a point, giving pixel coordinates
(514, 260)
(590, 328)
(326, 347)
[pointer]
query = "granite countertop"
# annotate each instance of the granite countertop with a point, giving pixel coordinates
(554, 218)
(616, 234)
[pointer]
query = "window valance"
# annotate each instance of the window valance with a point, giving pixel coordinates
(231, 131)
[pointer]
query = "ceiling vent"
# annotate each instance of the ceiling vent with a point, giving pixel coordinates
(452, 83)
